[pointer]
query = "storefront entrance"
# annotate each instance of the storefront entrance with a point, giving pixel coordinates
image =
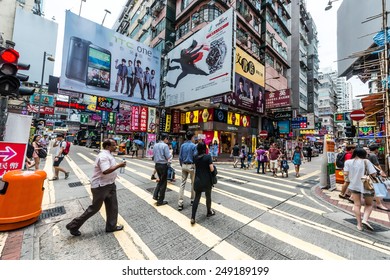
(228, 139)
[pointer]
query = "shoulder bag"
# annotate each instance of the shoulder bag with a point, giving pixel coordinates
(214, 176)
(367, 179)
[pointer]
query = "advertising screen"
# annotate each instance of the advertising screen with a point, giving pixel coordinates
(202, 65)
(98, 61)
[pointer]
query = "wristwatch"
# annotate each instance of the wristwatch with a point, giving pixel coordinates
(216, 56)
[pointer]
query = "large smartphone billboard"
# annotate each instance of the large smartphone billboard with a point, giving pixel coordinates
(202, 65)
(98, 61)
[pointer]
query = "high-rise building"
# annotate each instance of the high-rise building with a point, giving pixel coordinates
(327, 101)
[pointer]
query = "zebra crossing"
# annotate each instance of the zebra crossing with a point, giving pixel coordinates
(258, 217)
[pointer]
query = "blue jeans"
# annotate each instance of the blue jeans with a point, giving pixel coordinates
(258, 166)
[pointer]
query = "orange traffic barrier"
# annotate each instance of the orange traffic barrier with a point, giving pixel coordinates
(339, 176)
(21, 198)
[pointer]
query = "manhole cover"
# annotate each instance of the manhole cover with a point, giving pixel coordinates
(52, 212)
(151, 190)
(75, 184)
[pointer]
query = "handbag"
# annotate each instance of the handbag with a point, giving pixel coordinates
(214, 176)
(42, 153)
(366, 179)
(380, 190)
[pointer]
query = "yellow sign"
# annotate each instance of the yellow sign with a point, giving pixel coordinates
(192, 117)
(168, 123)
(248, 67)
(233, 118)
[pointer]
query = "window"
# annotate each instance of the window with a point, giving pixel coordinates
(269, 60)
(184, 4)
(183, 29)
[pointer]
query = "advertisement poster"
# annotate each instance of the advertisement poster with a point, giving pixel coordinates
(150, 145)
(98, 61)
(248, 92)
(205, 57)
(46, 100)
(123, 120)
(135, 110)
(151, 119)
(277, 99)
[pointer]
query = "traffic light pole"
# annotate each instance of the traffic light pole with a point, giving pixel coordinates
(3, 115)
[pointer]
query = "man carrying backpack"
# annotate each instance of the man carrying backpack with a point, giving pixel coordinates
(59, 154)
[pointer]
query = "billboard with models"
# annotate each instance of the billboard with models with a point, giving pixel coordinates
(101, 62)
(201, 66)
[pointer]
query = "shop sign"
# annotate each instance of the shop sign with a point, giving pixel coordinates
(151, 119)
(43, 109)
(182, 118)
(104, 104)
(232, 128)
(123, 119)
(192, 117)
(245, 121)
(46, 100)
(11, 156)
(277, 99)
(135, 118)
(283, 115)
(233, 118)
(111, 117)
(195, 126)
(70, 105)
(163, 119)
(220, 116)
(297, 123)
(206, 115)
(143, 123)
(168, 123)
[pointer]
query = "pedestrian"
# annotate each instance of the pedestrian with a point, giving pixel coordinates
(36, 144)
(373, 158)
(103, 190)
(59, 156)
(348, 155)
(134, 149)
(214, 150)
(284, 166)
(203, 180)
(355, 169)
(161, 157)
(309, 151)
(274, 154)
(262, 158)
(171, 170)
(174, 146)
(243, 156)
(186, 160)
(297, 159)
(128, 145)
(249, 160)
(235, 154)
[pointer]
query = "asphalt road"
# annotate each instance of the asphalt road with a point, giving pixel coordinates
(258, 217)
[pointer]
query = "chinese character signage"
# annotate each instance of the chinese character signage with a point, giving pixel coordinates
(168, 123)
(151, 119)
(143, 125)
(11, 156)
(277, 99)
(123, 119)
(298, 123)
(104, 104)
(135, 118)
(163, 119)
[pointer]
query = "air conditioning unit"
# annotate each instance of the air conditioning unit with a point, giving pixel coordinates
(140, 21)
(144, 30)
(247, 16)
(153, 28)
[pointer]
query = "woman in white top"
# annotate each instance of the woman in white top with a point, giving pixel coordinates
(355, 170)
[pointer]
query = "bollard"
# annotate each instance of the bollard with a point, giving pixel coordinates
(21, 198)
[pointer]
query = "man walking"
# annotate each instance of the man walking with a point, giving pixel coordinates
(274, 154)
(186, 159)
(103, 190)
(235, 154)
(161, 156)
(58, 157)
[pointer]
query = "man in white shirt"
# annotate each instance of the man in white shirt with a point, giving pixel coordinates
(103, 190)
(58, 157)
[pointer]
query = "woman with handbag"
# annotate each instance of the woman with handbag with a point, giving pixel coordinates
(262, 158)
(37, 147)
(357, 169)
(203, 182)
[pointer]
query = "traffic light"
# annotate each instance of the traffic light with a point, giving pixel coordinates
(9, 77)
(350, 131)
(9, 83)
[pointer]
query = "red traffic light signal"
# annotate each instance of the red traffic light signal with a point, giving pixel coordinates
(9, 56)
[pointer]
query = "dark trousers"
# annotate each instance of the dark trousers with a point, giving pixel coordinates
(162, 172)
(242, 162)
(104, 194)
(258, 166)
(308, 157)
(196, 202)
(129, 84)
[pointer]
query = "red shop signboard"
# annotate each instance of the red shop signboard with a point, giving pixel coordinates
(143, 124)
(277, 99)
(135, 110)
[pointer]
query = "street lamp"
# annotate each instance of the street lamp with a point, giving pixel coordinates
(107, 12)
(81, 4)
(50, 58)
(327, 8)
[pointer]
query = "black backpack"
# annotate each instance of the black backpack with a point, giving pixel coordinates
(30, 150)
(340, 159)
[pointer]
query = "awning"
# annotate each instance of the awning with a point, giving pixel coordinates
(373, 103)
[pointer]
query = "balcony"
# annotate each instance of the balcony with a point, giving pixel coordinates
(156, 10)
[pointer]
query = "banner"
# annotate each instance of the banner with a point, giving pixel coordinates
(98, 61)
(277, 99)
(46, 100)
(135, 118)
(205, 56)
(123, 120)
(151, 119)
(143, 121)
(150, 144)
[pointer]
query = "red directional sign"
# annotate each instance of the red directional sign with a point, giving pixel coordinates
(358, 115)
(11, 156)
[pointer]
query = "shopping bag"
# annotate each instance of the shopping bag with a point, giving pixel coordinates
(380, 190)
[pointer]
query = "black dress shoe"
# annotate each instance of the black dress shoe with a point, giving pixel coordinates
(162, 203)
(117, 228)
(75, 232)
(155, 198)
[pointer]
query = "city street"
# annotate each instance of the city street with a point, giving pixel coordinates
(258, 217)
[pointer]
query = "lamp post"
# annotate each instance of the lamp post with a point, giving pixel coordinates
(327, 8)
(81, 4)
(50, 58)
(107, 12)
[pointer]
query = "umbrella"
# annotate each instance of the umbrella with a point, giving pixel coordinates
(139, 142)
(311, 138)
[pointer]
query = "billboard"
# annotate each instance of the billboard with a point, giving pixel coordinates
(98, 61)
(277, 99)
(201, 66)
